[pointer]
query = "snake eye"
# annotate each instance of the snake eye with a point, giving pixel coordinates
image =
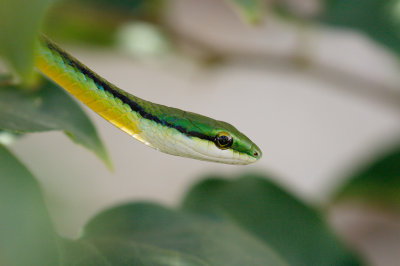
(223, 140)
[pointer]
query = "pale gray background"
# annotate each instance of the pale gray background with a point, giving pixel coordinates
(312, 124)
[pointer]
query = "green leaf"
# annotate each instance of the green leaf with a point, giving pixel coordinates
(26, 233)
(143, 9)
(148, 234)
(122, 252)
(377, 183)
(252, 11)
(50, 108)
(97, 21)
(260, 208)
(378, 19)
(20, 21)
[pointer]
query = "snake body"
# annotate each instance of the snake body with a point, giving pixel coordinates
(164, 128)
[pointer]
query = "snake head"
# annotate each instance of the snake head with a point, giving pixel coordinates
(196, 136)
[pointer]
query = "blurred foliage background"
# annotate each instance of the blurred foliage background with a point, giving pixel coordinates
(226, 219)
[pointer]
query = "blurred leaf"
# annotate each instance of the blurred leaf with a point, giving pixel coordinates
(5, 79)
(145, 9)
(26, 233)
(377, 183)
(48, 109)
(273, 216)
(19, 24)
(80, 28)
(378, 19)
(252, 11)
(148, 234)
(70, 21)
(97, 21)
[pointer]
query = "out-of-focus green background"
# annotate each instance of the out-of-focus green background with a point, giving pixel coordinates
(314, 83)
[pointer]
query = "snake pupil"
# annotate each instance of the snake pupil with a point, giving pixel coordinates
(223, 140)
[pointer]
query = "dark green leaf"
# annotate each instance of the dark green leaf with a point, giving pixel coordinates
(48, 109)
(146, 9)
(147, 234)
(26, 233)
(20, 21)
(252, 11)
(376, 18)
(273, 216)
(377, 183)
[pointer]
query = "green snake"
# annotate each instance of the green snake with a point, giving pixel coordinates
(164, 128)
